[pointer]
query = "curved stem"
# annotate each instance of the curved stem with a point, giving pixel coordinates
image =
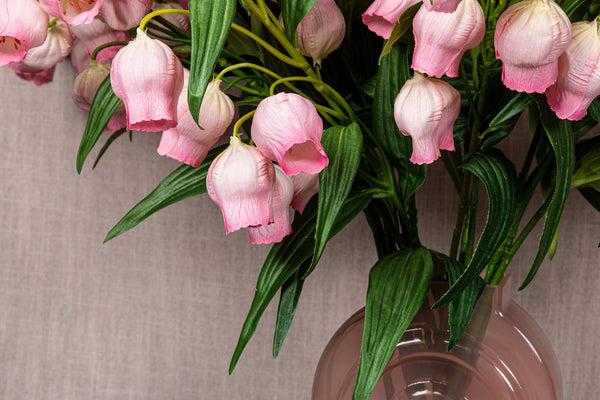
(153, 14)
(267, 46)
(105, 45)
(240, 121)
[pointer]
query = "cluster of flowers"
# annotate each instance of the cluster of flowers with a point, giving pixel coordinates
(541, 52)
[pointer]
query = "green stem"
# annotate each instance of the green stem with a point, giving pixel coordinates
(105, 45)
(153, 14)
(267, 46)
(240, 121)
(469, 237)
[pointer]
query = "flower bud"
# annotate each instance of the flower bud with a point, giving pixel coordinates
(441, 39)
(426, 109)
(148, 77)
(74, 12)
(23, 25)
(305, 187)
(287, 128)
(280, 227)
(241, 182)
(529, 38)
(578, 80)
(187, 142)
(97, 33)
(122, 15)
(321, 31)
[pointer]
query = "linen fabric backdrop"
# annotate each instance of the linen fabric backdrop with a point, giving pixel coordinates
(156, 313)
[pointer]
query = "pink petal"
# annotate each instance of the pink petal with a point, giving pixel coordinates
(382, 15)
(122, 15)
(281, 226)
(241, 182)
(443, 6)
(55, 48)
(321, 31)
(287, 128)
(441, 39)
(74, 12)
(38, 77)
(97, 33)
(148, 77)
(23, 25)
(305, 187)
(79, 56)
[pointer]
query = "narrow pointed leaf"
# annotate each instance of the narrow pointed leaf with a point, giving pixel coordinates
(103, 107)
(514, 107)
(109, 141)
(210, 22)
(500, 179)
(343, 146)
(561, 138)
(292, 12)
(288, 303)
(461, 308)
(183, 183)
(594, 109)
(398, 285)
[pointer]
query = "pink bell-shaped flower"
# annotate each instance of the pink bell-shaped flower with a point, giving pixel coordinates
(281, 226)
(74, 12)
(187, 142)
(426, 109)
(23, 25)
(382, 15)
(287, 128)
(122, 15)
(305, 187)
(578, 80)
(148, 77)
(241, 182)
(529, 38)
(85, 87)
(55, 48)
(321, 31)
(441, 39)
(97, 33)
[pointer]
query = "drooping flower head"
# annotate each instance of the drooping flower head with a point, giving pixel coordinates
(187, 142)
(321, 31)
(241, 182)
(426, 109)
(148, 77)
(578, 80)
(529, 38)
(287, 128)
(441, 39)
(23, 25)
(122, 15)
(281, 226)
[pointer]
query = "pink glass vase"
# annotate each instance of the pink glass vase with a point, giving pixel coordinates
(504, 355)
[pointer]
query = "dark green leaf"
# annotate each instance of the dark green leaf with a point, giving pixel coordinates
(398, 285)
(109, 141)
(560, 135)
(594, 109)
(292, 12)
(514, 107)
(103, 107)
(461, 308)
(183, 183)
(210, 22)
(343, 146)
(288, 302)
(500, 179)
(592, 196)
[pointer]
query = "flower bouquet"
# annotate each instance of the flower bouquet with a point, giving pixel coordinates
(340, 108)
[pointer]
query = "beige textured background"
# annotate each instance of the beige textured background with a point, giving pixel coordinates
(156, 313)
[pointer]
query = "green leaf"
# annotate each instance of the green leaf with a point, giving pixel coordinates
(288, 302)
(592, 196)
(183, 183)
(109, 141)
(286, 258)
(210, 22)
(398, 285)
(400, 28)
(461, 308)
(560, 135)
(514, 107)
(103, 107)
(594, 109)
(500, 179)
(292, 12)
(343, 146)
(588, 173)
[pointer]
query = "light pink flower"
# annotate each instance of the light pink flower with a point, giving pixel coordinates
(148, 77)
(23, 25)
(74, 12)
(97, 33)
(85, 87)
(382, 15)
(321, 31)
(305, 187)
(287, 128)
(38, 77)
(122, 15)
(441, 39)
(426, 109)
(79, 56)
(187, 142)
(281, 226)
(443, 6)
(241, 182)
(529, 38)
(578, 80)
(55, 48)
